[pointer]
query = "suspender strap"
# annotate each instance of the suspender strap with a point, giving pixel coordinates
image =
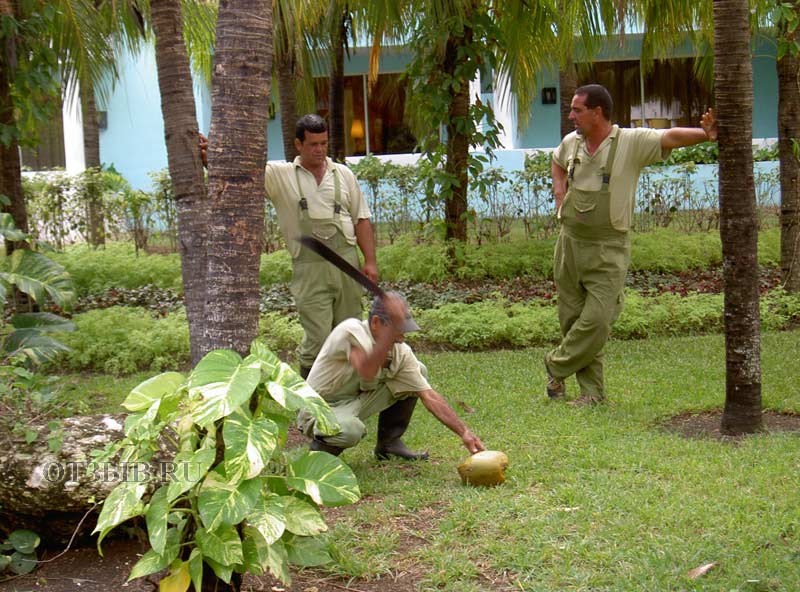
(337, 192)
(574, 158)
(612, 151)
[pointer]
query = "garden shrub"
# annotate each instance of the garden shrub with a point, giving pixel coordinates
(497, 324)
(276, 268)
(280, 333)
(121, 340)
(487, 324)
(407, 260)
(666, 250)
(117, 266)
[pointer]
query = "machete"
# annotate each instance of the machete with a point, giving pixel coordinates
(332, 256)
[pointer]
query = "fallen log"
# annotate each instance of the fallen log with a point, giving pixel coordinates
(48, 484)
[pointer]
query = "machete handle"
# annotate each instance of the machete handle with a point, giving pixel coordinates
(333, 257)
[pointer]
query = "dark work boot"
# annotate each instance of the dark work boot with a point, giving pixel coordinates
(392, 423)
(304, 370)
(318, 445)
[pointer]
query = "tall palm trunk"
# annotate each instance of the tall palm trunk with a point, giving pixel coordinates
(91, 151)
(236, 158)
(185, 166)
(287, 87)
(788, 135)
(733, 82)
(336, 87)
(10, 171)
(455, 208)
(567, 83)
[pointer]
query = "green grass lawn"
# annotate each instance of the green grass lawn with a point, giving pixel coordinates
(600, 499)
(595, 498)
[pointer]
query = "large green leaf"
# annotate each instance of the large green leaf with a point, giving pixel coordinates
(46, 322)
(224, 382)
(306, 551)
(190, 467)
(269, 361)
(302, 518)
(40, 276)
(223, 572)
(223, 503)
(22, 563)
(196, 568)
(292, 392)
(34, 345)
(325, 478)
(255, 550)
(221, 545)
(268, 517)
(153, 389)
(278, 562)
(156, 520)
(9, 230)
(122, 503)
(143, 425)
(248, 445)
(151, 562)
(24, 541)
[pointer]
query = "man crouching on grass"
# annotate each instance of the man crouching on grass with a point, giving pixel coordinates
(364, 368)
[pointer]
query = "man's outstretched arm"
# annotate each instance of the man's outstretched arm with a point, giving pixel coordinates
(678, 137)
(435, 403)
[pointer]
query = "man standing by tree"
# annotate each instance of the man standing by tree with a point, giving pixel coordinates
(315, 196)
(595, 170)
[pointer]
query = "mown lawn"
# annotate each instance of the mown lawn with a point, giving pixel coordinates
(596, 498)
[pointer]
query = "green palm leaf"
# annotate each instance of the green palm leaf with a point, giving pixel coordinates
(38, 276)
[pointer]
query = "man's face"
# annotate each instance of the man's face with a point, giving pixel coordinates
(313, 149)
(582, 117)
(379, 327)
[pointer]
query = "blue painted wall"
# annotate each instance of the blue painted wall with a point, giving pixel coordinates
(134, 139)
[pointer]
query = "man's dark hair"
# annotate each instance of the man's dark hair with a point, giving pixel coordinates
(309, 123)
(597, 96)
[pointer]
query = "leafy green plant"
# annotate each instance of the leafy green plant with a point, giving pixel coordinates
(117, 266)
(18, 552)
(121, 340)
(234, 500)
(40, 279)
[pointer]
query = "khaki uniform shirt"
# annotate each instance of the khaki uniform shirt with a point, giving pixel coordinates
(280, 183)
(636, 149)
(334, 378)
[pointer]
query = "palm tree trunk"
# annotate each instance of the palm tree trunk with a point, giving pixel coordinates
(236, 158)
(455, 208)
(10, 172)
(185, 166)
(336, 88)
(733, 81)
(788, 135)
(567, 83)
(91, 151)
(287, 86)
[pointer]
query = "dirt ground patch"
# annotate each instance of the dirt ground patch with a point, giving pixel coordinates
(707, 424)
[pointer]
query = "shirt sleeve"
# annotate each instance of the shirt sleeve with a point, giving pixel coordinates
(563, 152)
(358, 205)
(404, 374)
(648, 146)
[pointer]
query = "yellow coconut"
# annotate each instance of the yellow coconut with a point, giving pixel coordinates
(485, 468)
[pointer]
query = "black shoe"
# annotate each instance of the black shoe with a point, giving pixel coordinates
(397, 449)
(392, 424)
(318, 445)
